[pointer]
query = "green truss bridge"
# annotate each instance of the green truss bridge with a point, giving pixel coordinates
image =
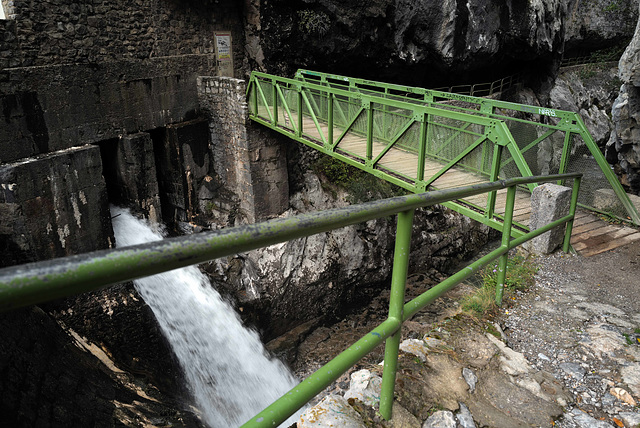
(423, 139)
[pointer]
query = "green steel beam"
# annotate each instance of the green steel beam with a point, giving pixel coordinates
(394, 140)
(566, 150)
(42, 281)
(495, 174)
(264, 100)
(312, 113)
(286, 108)
(455, 160)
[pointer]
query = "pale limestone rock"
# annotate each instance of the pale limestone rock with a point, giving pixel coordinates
(365, 387)
(414, 347)
(332, 411)
(440, 419)
(623, 395)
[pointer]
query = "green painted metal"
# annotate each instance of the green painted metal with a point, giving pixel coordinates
(511, 113)
(455, 160)
(39, 282)
(452, 125)
(396, 308)
(572, 212)
(495, 172)
(506, 235)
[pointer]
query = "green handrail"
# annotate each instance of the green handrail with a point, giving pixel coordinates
(42, 281)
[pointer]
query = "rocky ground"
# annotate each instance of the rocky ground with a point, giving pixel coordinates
(566, 353)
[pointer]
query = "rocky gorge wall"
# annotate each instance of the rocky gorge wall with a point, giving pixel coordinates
(624, 145)
(431, 44)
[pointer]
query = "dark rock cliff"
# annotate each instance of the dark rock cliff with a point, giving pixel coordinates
(623, 147)
(423, 43)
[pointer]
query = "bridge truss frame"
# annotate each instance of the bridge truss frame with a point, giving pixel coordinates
(459, 132)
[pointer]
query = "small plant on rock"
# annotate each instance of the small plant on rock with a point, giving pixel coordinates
(520, 276)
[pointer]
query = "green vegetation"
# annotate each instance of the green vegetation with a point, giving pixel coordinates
(361, 186)
(520, 274)
(628, 339)
(311, 22)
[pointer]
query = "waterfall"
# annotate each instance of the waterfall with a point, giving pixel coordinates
(226, 367)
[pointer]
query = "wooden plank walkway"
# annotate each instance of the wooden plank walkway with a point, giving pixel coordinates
(590, 234)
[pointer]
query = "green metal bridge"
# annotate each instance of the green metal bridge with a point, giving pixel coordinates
(423, 139)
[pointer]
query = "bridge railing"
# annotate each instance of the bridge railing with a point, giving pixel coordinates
(43, 281)
(376, 134)
(550, 141)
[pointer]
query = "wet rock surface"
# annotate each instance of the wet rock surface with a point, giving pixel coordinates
(565, 353)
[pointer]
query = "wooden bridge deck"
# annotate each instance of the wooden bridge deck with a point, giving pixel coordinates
(590, 236)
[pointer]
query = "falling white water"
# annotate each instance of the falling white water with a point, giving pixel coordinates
(225, 365)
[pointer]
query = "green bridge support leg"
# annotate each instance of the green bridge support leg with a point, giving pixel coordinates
(396, 306)
(506, 237)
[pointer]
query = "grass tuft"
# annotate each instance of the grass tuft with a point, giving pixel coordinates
(520, 276)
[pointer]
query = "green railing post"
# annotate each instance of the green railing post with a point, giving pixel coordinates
(274, 97)
(330, 120)
(495, 174)
(396, 306)
(572, 212)
(369, 108)
(422, 148)
(254, 96)
(564, 159)
(300, 111)
(506, 237)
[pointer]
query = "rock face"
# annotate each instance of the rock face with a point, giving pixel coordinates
(598, 23)
(323, 275)
(624, 145)
(418, 42)
(63, 380)
(589, 90)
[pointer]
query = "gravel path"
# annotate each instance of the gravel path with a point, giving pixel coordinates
(580, 322)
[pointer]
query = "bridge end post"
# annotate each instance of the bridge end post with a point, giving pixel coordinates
(566, 244)
(396, 309)
(506, 237)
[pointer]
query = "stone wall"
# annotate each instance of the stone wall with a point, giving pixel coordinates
(74, 73)
(250, 162)
(54, 32)
(53, 206)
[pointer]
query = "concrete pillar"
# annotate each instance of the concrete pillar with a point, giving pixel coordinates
(53, 206)
(549, 202)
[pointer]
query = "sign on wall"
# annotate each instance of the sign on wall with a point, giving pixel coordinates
(224, 53)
